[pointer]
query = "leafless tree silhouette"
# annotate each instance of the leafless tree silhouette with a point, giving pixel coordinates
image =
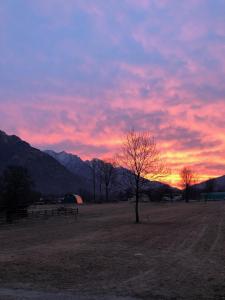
(93, 165)
(188, 178)
(108, 175)
(139, 154)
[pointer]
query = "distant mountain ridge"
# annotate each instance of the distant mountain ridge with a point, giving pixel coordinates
(77, 166)
(214, 184)
(49, 176)
(72, 162)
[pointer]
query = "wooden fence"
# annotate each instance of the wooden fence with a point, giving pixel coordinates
(53, 212)
(38, 213)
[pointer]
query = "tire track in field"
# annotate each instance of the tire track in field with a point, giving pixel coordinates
(207, 243)
(186, 262)
(219, 239)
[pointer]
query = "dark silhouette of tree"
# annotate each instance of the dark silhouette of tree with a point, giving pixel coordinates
(16, 191)
(103, 174)
(99, 180)
(93, 165)
(188, 178)
(2, 201)
(108, 175)
(140, 156)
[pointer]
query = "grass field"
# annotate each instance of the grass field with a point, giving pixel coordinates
(178, 252)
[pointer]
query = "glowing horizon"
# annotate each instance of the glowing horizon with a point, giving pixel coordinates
(76, 75)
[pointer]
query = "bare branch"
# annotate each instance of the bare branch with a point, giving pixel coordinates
(141, 157)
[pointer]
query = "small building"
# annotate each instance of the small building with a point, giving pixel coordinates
(72, 199)
(217, 196)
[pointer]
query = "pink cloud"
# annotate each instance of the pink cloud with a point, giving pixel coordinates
(98, 68)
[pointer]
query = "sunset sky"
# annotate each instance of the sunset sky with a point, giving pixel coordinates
(76, 74)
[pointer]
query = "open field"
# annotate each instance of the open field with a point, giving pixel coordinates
(178, 252)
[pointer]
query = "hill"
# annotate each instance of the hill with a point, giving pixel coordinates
(49, 176)
(212, 185)
(72, 162)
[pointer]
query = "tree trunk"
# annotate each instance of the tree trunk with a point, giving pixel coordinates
(94, 187)
(100, 189)
(186, 195)
(106, 193)
(137, 203)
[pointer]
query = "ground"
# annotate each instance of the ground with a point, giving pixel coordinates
(177, 252)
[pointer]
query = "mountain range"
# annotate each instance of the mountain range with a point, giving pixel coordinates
(73, 163)
(48, 175)
(59, 173)
(212, 185)
(77, 166)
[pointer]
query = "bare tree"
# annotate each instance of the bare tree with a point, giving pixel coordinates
(141, 157)
(100, 179)
(93, 165)
(188, 178)
(108, 174)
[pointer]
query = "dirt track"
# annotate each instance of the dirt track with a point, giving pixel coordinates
(178, 252)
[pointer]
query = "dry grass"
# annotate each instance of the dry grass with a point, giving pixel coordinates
(178, 252)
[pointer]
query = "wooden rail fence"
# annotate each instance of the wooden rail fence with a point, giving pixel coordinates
(53, 212)
(37, 213)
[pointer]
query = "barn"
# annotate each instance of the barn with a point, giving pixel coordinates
(72, 199)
